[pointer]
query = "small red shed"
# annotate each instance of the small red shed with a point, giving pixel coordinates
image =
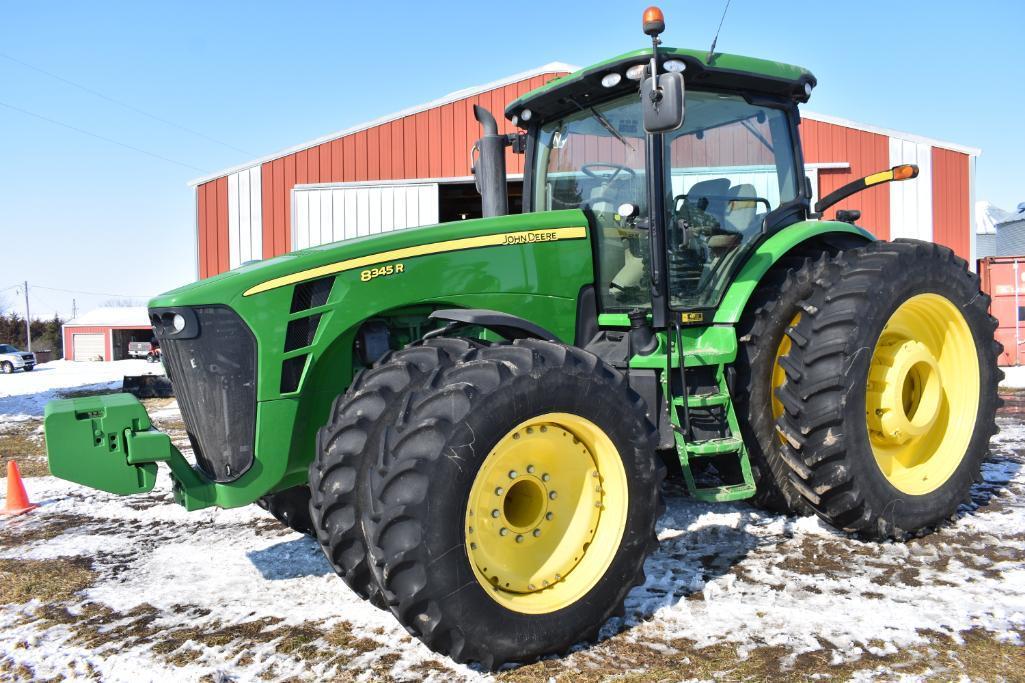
(104, 333)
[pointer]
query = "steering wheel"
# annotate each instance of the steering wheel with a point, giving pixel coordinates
(588, 170)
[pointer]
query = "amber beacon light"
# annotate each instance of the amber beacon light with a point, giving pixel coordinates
(654, 22)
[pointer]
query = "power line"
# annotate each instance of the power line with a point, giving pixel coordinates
(122, 104)
(79, 291)
(98, 136)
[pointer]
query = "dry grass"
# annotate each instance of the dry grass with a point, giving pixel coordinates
(21, 444)
(980, 657)
(52, 580)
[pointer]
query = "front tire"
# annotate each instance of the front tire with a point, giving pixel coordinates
(891, 389)
(291, 507)
(29, 368)
(6, 367)
(514, 503)
(347, 444)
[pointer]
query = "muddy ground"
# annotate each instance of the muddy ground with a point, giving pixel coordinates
(98, 587)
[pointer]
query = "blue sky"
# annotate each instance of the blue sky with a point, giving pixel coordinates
(81, 213)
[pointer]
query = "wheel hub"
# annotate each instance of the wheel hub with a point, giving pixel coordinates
(922, 394)
(905, 391)
(534, 508)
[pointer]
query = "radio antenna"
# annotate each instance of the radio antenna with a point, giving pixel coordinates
(711, 50)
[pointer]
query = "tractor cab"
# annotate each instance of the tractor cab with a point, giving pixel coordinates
(690, 200)
(725, 171)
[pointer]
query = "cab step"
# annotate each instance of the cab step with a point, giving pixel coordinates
(717, 398)
(719, 494)
(729, 444)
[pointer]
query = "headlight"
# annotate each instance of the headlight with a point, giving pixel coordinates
(674, 65)
(178, 322)
(635, 72)
(611, 80)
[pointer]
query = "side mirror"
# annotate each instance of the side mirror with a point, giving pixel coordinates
(663, 103)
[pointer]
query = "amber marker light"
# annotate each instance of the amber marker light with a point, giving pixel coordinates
(905, 172)
(654, 22)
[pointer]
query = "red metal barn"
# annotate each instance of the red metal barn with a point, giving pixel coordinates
(412, 168)
(104, 333)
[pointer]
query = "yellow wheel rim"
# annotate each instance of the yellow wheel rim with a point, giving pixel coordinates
(779, 376)
(922, 396)
(546, 513)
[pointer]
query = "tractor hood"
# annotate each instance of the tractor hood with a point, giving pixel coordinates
(365, 254)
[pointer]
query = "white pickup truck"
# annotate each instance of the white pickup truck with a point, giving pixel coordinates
(12, 359)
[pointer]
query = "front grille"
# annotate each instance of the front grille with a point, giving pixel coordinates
(212, 365)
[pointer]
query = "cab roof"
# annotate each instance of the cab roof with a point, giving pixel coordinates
(720, 71)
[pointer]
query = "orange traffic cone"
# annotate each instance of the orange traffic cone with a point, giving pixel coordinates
(17, 498)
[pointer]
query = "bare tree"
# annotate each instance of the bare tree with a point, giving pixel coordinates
(121, 303)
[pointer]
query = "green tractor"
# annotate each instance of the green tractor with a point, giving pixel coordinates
(475, 419)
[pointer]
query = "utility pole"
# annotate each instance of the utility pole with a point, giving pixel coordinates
(28, 321)
(74, 309)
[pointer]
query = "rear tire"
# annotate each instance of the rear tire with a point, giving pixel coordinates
(438, 459)
(891, 389)
(346, 445)
(291, 507)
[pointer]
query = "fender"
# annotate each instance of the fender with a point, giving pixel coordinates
(509, 326)
(773, 249)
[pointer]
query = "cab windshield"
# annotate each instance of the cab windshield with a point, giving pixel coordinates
(729, 165)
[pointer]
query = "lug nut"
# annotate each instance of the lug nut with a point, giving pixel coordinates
(499, 491)
(545, 476)
(519, 538)
(530, 469)
(552, 495)
(537, 532)
(530, 430)
(513, 474)
(544, 428)
(549, 516)
(503, 531)
(473, 546)
(495, 513)
(531, 587)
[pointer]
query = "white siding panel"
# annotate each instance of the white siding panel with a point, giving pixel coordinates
(362, 211)
(233, 221)
(330, 213)
(245, 241)
(245, 217)
(313, 227)
(428, 199)
(911, 200)
(326, 217)
(337, 216)
(387, 209)
(374, 209)
(255, 214)
(301, 238)
(401, 221)
(351, 215)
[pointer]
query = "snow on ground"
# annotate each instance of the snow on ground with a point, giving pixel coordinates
(1014, 377)
(732, 594)
(23, 395)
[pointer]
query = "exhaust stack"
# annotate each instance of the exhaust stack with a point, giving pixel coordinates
(489, 166)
